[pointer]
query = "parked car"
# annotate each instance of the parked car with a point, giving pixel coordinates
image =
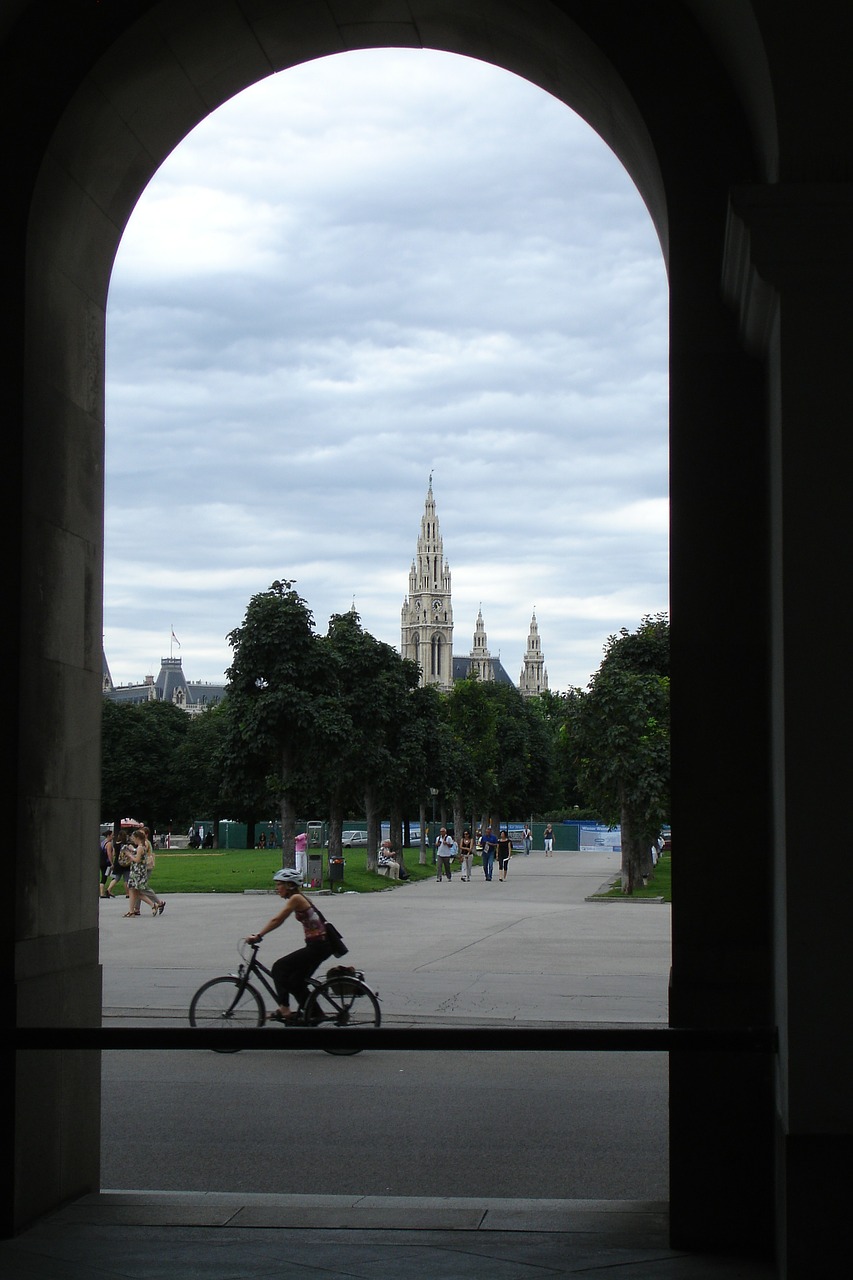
(351, 838)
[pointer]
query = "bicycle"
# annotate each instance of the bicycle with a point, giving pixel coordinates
(341, 999)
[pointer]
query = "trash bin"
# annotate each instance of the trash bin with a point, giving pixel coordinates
(336, 871)
(315, 870)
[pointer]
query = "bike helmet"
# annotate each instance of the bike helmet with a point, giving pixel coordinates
(289, 875)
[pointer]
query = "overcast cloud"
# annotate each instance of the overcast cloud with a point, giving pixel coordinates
(358, 272)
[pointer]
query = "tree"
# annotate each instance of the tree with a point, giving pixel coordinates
(557, 713)
(422, 749)
(525, 755)
(342, 771)
(199, 764)
(140, 776)
(471, 718)
(374, 690)
(249, 789)
(503, 759)
(620, 729)
(279, 691)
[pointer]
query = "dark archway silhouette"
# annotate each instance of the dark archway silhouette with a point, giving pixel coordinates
(734, 123)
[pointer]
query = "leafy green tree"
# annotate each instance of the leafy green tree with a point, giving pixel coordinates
(342, 771)
(503, 762)
(139, 754)
(471, 716)
(556, 712)
(279, 690)
(620, 729)
(525, 756)
(374, 694)
(199, 764)
(423, 750)
(248, 786)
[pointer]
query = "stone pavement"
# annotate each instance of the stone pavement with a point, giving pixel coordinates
(532, 950)
(179, 1237)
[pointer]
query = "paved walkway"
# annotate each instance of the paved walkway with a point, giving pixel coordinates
(179, 1237)
(531, 950)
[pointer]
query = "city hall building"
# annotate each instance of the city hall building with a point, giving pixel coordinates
(426, 623)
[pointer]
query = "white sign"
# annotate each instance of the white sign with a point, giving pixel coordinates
(595, 837)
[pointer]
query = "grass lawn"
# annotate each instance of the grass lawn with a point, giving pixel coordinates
(235, 870)
(660, 885)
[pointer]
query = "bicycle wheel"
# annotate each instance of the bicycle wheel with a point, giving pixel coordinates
(343, 1002)
(221, 1004)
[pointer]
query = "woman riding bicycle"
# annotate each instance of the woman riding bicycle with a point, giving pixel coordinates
(290, 972)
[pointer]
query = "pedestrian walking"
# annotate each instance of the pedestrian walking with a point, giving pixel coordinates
(142, 864)
(466, 855)
(490, 844)
(121, 863)
(105, 876)
(504, 851)
(445, 849)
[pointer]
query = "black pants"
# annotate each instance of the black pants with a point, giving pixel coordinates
(290, 972)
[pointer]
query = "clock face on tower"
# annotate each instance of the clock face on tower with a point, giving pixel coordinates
(436, 606)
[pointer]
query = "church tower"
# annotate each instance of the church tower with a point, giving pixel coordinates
(534, 677)
(481, 659)
(426, 621)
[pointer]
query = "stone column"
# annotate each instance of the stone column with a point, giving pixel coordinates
(721, 1130)
(789, 268)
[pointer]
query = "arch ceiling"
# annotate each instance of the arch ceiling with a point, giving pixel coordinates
(179, 63)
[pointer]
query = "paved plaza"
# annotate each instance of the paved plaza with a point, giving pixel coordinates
(531, 951)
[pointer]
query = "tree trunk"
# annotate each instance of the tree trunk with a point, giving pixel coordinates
(374, 829)
(631, 876)
(395, 830)
(647, 866)
(288, 832)
(336, 827)
(423, 853)
(458, 818)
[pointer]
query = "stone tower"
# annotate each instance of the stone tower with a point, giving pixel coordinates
(481, 659)
(534, 677)
(426, 622)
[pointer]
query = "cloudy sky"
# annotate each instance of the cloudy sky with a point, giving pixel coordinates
(359, 272)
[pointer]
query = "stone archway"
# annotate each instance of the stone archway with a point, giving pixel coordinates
(130, 99)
